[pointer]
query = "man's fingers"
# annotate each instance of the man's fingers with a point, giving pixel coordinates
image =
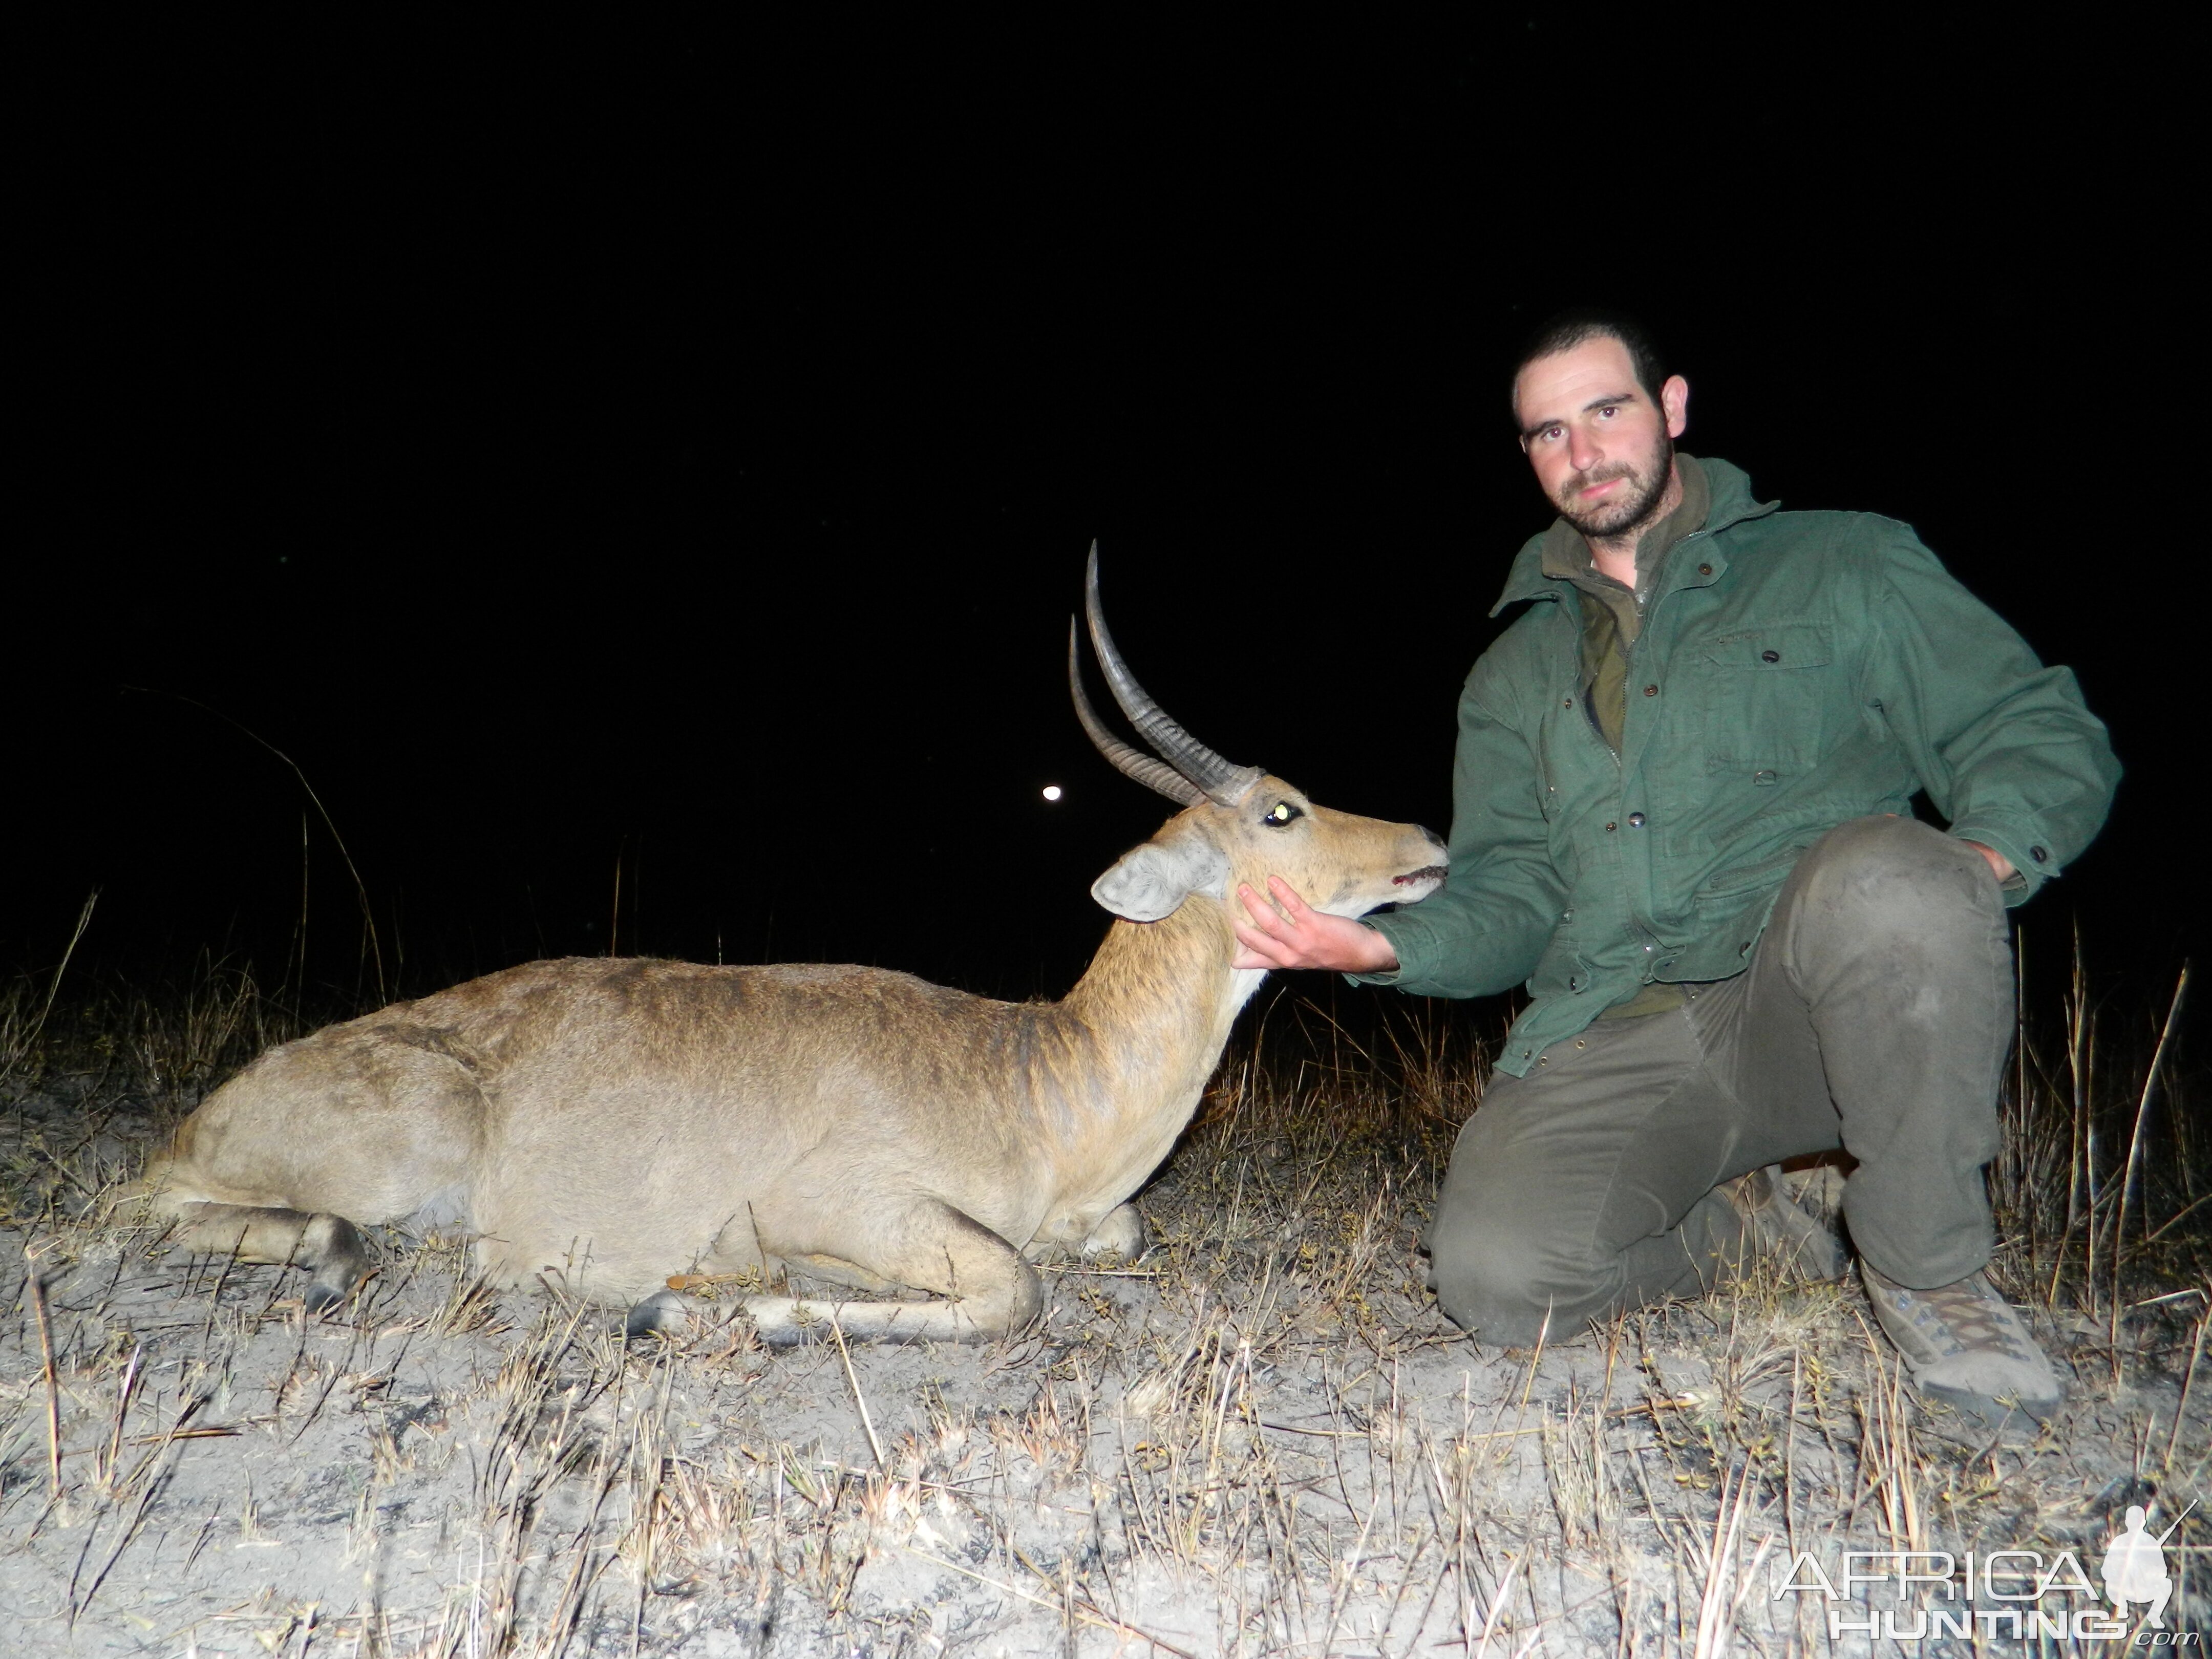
(1256, 936)
(1265, 916)
(1304, 938)
(1251, 939)
(1259, 952)
(1273, 938)
(1288, 912)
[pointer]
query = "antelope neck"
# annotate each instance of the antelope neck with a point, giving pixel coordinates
(1155, 1008)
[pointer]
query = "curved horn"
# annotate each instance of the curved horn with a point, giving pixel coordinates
(1153, 774)
(1221, 779)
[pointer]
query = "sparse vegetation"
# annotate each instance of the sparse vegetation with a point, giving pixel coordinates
(1259, 1438)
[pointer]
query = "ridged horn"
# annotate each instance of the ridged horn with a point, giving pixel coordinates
(1221, 781)
(1153, 774)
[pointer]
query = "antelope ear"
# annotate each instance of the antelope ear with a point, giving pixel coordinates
(1148, 883)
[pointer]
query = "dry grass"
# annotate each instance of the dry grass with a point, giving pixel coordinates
(1261, 1439)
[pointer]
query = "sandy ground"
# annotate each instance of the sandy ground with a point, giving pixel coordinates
(1260, 1439)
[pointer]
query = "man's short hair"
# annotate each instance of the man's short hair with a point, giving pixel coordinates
(1570, 329)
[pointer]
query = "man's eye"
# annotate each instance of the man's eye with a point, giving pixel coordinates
(1610, 411)
(1280, 813)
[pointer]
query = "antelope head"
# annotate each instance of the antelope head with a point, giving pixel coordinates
(1240, 824)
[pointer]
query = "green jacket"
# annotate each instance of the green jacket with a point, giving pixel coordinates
(1794, 671)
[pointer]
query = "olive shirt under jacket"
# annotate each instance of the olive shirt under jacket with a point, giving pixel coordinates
(1793, 671)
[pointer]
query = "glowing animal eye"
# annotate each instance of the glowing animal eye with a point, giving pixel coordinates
(1282, 813)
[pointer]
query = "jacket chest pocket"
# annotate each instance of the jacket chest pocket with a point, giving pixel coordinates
(1768, 695)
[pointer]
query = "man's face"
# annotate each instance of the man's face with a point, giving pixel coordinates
(1602, 450)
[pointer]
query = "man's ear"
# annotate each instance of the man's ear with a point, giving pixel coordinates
(1148, 883)
(1675, 399)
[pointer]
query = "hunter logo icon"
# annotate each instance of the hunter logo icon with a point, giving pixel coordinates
(2134, 1568)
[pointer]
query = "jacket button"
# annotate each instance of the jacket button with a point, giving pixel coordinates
(1744, 949)
(1770, 656)
(1635, 820)
(2039, 854)
(1650, 691)
(1762, 776)
(1569, 704)
(1613, 826)
(1705, 570)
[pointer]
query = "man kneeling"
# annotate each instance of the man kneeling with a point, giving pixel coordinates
(1682, 808)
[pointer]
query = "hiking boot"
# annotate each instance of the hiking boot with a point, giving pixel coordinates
(1779, 1229)
(1968, 1347)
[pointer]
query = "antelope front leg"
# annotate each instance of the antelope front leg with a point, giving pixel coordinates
(328, 1246)
(990, 1290)
(1121, 1233)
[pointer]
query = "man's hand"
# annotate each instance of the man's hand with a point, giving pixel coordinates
(1300, 936)
(1998, 861)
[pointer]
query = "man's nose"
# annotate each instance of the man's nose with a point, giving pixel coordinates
(1584, 448)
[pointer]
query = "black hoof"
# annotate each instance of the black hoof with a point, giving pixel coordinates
(334, 1253)
(660, 1314)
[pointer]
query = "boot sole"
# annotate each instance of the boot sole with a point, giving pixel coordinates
(1992, 1414)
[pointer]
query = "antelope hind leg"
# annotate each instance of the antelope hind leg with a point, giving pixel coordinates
(989, 1289)
(667, 1312)
(327, 1246)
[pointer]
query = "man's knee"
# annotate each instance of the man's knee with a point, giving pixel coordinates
(1496, 1281)
(1896, 878)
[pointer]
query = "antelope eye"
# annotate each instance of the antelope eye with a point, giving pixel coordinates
(1280, 813)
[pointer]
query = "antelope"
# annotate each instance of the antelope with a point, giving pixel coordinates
(607, 1123)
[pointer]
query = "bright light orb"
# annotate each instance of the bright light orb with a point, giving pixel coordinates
(1052, 792)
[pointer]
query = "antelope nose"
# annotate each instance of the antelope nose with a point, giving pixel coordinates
(1431, 836)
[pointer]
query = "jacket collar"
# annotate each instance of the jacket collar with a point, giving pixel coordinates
(1732, 504)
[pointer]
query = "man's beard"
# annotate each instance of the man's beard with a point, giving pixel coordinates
(1628, 512)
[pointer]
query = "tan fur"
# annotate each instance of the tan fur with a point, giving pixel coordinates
(609, 1123)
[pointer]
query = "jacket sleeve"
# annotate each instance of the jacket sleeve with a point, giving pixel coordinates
(2005, 747)
(1483, 932)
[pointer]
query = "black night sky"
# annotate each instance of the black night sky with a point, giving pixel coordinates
(675, 453)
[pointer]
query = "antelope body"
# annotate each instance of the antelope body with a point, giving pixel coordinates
(607, 1123)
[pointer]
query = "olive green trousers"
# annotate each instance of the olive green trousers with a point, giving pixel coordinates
(1876, 1017)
